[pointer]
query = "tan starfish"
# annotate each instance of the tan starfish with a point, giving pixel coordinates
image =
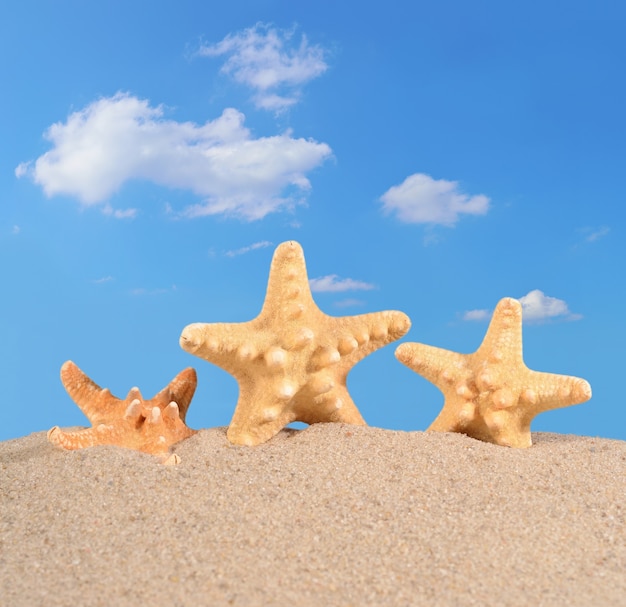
(291, 361)
(151, 426)
(491, 395)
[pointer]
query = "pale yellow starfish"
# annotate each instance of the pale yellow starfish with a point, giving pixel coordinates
(491, 395)
(291, 361)
(151, 426)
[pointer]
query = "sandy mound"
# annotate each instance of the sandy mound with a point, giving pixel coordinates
(332, 515)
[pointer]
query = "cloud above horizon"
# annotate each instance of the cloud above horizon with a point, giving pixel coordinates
(101, 281)
(536, 307)
(594, 234)
(269, 61)
(122, 138)
(253, 247)
(422, 199)
(333, 284)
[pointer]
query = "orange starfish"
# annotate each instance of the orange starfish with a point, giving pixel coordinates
(491, 395)
(291, 361)
(151, 426)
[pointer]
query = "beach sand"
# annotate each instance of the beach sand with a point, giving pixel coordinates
(330, 515)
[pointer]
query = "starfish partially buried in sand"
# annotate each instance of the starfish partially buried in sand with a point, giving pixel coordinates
(491, 395)
(291, 361)
(151, 426)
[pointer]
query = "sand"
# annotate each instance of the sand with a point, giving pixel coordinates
(330, 515)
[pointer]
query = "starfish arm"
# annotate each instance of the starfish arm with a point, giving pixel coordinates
(263, 410)
(259, 415)
(447, 421)
(162, 429)
(503, 339)
(223, 344)
(443, 368)
(180, 390)
(546, 391)
(97, 404)
(154, 435)
(336, 405)
(288, 284)
(102, 434)
(355, 337)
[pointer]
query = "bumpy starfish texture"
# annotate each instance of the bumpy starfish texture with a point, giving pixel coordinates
(491, 395)
(151, 426)
(291, 361)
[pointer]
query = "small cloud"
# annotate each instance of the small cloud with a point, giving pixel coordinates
(537, 307)
(271, 62)
(422, 199)
(295, 224)
(141, 292)
(22, 169)
(474, 315)
(123, 138)
(120, 213)
(430, 238)
(100, 281)
(16, 230)
(253, 247)
(333, 284)
(275, 103)
(593, 234)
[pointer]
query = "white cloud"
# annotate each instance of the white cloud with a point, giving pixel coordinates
(140, 292)
(333, 284)
(16, 230)
(268, 60)
(99, 281)
(121, 138)
(422, 199)
(473, 315)
(593, 234)
(22, 169)
(536, 307)
(119, 213)
(253, 247)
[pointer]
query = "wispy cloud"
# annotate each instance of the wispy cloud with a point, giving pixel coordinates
(593, 234)
(22, 169)
(333, 284)
(536, 307)
(122, 138)
(140, 291)
(100, 281)
(120, 213)
(422, 199)
(271, 62)
(16, 230)
(477, 315)
(253, 247)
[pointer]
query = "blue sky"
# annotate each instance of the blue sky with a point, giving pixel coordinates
(430, 157)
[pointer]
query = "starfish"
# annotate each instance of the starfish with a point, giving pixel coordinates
(291, 362)
(151, 426)
(491, 395)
